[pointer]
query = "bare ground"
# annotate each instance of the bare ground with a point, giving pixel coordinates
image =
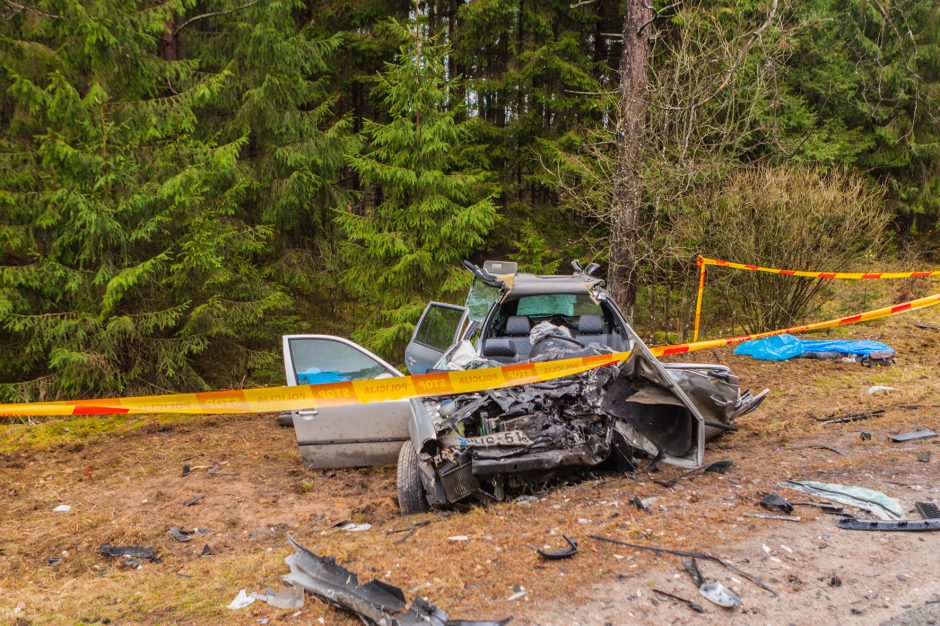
(125, 487)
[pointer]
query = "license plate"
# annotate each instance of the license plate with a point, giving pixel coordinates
(508, 438)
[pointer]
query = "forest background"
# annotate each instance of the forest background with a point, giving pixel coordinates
(182, 182)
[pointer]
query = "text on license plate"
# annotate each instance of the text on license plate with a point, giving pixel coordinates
(508, 438)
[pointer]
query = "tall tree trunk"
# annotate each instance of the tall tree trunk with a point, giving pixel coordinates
(622, 274)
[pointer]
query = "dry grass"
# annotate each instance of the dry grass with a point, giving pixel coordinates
(125, 487)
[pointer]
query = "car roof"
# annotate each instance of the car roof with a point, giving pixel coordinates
(533, 284)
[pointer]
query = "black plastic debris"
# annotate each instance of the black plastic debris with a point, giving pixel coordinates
(927, 510)
(920, 525)
(134, 552)
(564, 553)
(835, 418)
(374, 603)
(834, 580)
(185, 535)
(775, 502)
(920, 433)
(864, 436)
(691, 566)
(695, 606)
(206, 551)
(53, 560)
(185, 470)
(194, 500)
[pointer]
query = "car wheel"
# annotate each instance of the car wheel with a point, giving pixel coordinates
(285, 420)
(411, 496)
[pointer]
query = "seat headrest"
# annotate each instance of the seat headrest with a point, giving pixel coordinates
(498, 346)
(591, 325)
(518, 326)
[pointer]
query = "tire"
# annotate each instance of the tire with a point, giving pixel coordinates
(285, 420)
(411, 496)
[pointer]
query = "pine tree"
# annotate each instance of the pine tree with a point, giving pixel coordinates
(125, 252)
(430, 213)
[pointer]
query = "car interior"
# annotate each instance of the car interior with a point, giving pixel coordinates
(508, 339)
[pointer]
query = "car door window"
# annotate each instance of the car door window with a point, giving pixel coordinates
(318, 360)
(439, 326)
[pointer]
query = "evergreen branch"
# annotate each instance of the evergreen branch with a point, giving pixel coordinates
(29, 9)
(206, 15)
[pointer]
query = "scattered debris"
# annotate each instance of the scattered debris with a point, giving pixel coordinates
(782, 518)
(183, 536)
(717, 593)
(925, 326)
(186, 470)
(927, 510)
(520, 592)
(835, 418)
(864, 436)
(243, 600)
(375, 602)
(695, 606)
(692, 568)
(356, 528)
(62, 508)
(850, 523)
(775, 502)
(879, 389)
(564, 553)
(719, 467)
(206, 551)
(834, 580)
(53, 560)
(643, 503)
(134, 552)
(458, 538)
(919, 433)
(826, 507)
(830, 448)
(924, 457)
(194, 500)
(698, 555)
(290, 597)
(409, 530)
(863, 498)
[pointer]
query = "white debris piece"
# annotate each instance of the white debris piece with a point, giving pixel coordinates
(878, 389)
(458, 538)
(62, 508)
(355, 528)
(243, 600)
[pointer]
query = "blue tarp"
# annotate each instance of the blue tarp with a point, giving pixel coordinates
(783, 347)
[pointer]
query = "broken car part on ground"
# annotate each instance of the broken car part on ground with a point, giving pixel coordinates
(376, 602)
(486, 445)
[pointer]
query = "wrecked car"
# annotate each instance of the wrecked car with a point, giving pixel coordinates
(456, 449)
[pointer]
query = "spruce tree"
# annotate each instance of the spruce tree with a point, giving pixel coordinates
(125, 252)
(428, 212)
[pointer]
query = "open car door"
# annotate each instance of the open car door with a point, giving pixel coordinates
(438, 329)
(357, 435)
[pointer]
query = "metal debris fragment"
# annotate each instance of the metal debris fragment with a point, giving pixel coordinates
(716, 593)
(850, 523)
(919, 433)
(375, 603)
(698, 555)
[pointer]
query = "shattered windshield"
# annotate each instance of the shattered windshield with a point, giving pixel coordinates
(481, 299)
(567, 304)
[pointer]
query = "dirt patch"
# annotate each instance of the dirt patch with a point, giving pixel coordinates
(126, 487)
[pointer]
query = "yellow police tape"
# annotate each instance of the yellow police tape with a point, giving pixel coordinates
(276, 399)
